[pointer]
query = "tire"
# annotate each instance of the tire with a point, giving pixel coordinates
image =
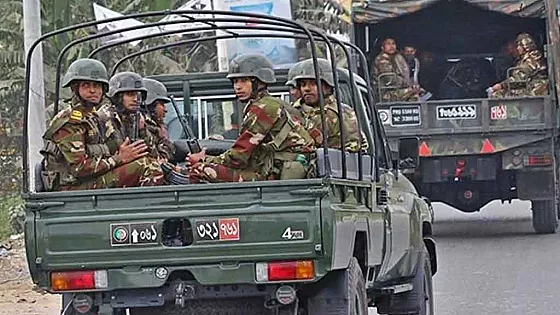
(545, 216)
(420, 300)
(208, 307)
(343, 293)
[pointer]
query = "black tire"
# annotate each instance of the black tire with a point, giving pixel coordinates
(208, 307)
(344, 293)
(420, 300)
(545, 216)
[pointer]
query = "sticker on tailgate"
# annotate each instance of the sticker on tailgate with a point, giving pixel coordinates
(218, 230)
(405, 115)
(127, 234)
(446, 112)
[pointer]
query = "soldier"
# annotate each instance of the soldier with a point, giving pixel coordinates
(295, 93)
(309, 107)
(395, 83)
(272, 143)
(530, 78)
(155, 118)
(127, 92)
(409, 53)
(76, 152)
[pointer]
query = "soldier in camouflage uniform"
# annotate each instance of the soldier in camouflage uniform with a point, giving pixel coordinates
(308, 105)
(272, 143)
(530, 78)
(122, 114)
(155, 116)
(76, 152)
(395, 84)
(295, 93)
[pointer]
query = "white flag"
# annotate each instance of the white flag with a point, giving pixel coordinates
(191, 5)
(104, 13)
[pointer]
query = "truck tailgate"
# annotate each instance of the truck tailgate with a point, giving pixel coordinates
(226, 222)
(472, 126)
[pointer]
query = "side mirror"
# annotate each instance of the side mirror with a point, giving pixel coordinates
(408, 153)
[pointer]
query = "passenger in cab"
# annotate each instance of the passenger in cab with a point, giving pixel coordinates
(295, 93)
(308, 105)
(530, 75)
(155, 109)
(76, 152)
(392, 76)
(272, 143)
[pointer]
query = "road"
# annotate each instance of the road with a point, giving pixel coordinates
(493, 263)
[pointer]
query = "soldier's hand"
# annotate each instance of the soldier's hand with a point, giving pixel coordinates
(497, 87)
(129, 152)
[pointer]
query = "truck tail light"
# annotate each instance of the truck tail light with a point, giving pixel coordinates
(285, 270)
(538, 160)
(79, 280)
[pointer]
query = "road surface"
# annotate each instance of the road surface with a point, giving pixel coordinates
(493, 263)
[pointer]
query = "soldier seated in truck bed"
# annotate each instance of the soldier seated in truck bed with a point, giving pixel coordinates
(529, 77)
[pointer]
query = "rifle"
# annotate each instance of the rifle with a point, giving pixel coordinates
(192, 142)
(135, 127)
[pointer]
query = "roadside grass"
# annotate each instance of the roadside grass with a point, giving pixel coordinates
(7, 203)
(5, 229)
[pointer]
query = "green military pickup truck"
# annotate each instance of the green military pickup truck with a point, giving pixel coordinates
(357, 235)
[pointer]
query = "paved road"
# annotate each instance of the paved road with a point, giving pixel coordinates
(492, 263)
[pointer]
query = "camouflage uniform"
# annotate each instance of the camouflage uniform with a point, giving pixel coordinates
(312, 112)
(272, 144)
(531, 76)
(121, 123)
(156, 127)
(396, 87)
(76, 153)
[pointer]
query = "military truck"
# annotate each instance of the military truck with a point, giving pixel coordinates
(473, 149)
(356, 235)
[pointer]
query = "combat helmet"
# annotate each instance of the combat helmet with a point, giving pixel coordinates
(86, 69)
(252, 65)
(306, 71)
(292, 73)
(526, 41)
(156, 91)
(126, 82)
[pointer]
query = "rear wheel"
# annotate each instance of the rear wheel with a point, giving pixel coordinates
(420, 300)
(545, 216)
(343, 293)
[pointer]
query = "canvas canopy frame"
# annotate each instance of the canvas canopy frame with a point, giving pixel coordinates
(278, 24)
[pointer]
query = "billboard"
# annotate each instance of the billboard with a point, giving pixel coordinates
(281, 51)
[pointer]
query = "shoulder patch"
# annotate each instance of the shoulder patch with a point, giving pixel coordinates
(76, 116)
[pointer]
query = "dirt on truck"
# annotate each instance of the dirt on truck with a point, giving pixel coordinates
(476, 145)
(353, 235)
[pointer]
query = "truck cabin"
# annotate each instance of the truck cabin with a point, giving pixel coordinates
(208, 104)
(462, 47)
(211, 109)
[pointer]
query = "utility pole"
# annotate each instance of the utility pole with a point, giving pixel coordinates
(36, 124)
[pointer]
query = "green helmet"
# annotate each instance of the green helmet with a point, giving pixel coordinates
(306, 71)
(156, 91)
(252, 65)
(291, 74)
(86, 69)
(126, 82)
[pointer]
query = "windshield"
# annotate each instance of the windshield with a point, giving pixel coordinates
(209, 116)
